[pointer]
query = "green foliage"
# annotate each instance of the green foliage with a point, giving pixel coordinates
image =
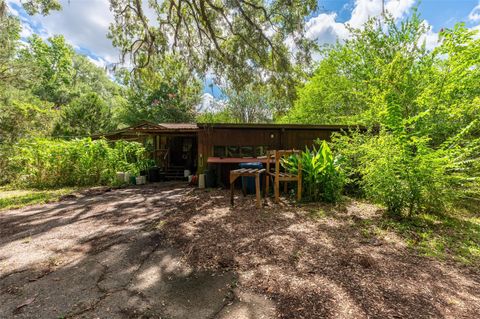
(9, 38)
(166, 91)
(52, 63)
(48, 163)
(453, 236)
(241, 41)
(41, 6)
(222, 116)
(84, 116)
(374, 77)
(23, 115)
(252, 104)
(41, 78)
(422, 107)
(322, 178)
(405, 175)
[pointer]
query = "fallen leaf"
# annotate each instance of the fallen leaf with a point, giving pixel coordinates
(27, 302)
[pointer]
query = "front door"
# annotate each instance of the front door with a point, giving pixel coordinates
(182, 151)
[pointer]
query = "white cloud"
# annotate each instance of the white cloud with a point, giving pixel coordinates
(398, 8)
(325, 29)
(84, 23)
(365, 9)
(208, 103)
(475, 13)
(431, 38)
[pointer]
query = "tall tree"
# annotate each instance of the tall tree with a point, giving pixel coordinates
(244, 41)
(253, 104)
(165, 91)
(85, 115)
(10, 69)
(54, 67)
(374, 77)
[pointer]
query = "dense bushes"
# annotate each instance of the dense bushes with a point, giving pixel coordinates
(403, 173)
(421, 107)
(45, 163)
(322, 178)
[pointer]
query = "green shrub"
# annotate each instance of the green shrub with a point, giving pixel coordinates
(46, 163)
(402, 173)
(322, 180)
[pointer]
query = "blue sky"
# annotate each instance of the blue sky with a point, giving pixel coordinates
(439, 13)
(84, 23)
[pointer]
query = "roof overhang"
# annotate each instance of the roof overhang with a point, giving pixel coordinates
(277, 126)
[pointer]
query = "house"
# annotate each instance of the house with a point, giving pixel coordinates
(179, 146)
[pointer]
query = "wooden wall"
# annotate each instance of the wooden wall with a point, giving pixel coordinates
(272, 138)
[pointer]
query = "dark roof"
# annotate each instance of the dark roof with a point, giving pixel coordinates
(149, 127)
(276, 126)
(179, 126)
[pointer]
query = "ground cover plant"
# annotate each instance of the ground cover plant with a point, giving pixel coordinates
(453, 236)
(16, 198)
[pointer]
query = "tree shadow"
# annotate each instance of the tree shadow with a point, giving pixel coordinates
(173, 251)
(340, 274)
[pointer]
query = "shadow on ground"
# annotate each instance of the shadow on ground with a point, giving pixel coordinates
(168, 251)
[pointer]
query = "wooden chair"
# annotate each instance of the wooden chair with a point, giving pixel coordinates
(278, 176)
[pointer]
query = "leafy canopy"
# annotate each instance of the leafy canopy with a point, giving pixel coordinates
(165, 91)
(243, 41)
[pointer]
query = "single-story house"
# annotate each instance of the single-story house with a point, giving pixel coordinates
(179, 146)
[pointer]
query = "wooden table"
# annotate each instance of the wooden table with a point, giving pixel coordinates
(243, 172)
(237, 160)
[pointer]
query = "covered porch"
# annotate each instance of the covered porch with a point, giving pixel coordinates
(172, 146)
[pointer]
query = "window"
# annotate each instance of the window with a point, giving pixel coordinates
(233, 151)
(246, 151)
(219, 151)
(260, 150)
(239, 151)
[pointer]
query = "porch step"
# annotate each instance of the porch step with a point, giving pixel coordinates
(174, 173)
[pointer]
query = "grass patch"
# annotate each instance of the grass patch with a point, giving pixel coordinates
(317, 214)
(455, 236)
(10, 199)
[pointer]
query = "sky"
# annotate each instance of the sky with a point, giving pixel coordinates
(84, 23)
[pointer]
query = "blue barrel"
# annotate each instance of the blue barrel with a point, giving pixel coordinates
(249, 181)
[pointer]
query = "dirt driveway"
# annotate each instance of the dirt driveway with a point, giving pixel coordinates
(169, 251)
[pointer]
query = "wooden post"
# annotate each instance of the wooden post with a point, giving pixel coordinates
(299, 176)
(267, 177)
(277, 177)
(232, 183)
(257, 190)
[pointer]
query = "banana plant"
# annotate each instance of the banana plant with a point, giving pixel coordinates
(322, 179)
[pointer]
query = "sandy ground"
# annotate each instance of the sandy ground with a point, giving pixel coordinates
(170, 251)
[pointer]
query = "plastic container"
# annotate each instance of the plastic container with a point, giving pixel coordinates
(201, 181)
(210, 178)
(249, 181)
(154, 174)
(186, 173)
(127, 177)
(140, 180)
